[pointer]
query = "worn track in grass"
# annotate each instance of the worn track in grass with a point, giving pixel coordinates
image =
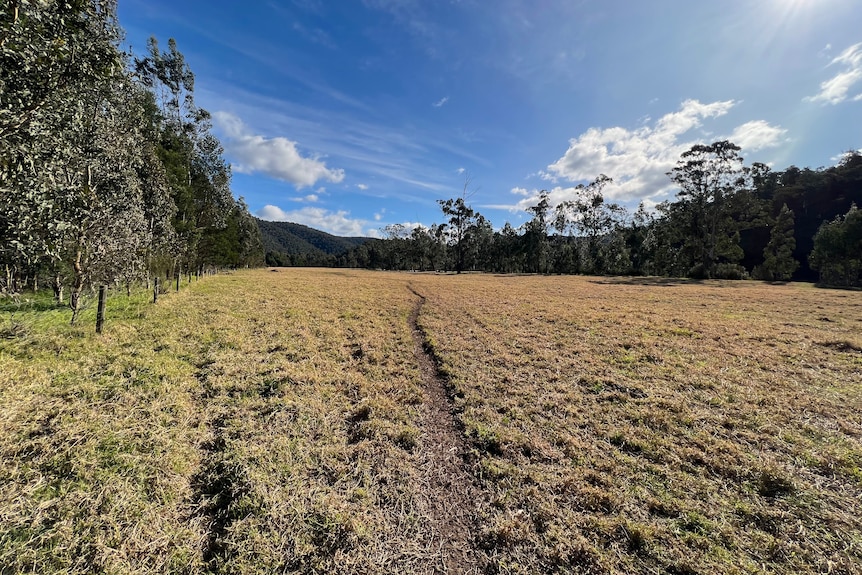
(449, 494)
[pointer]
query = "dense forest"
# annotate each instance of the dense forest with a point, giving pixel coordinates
(109, 171)
(291, 244)
(728, 221)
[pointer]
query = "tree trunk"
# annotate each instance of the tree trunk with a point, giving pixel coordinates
(57, 286)
(77, 285)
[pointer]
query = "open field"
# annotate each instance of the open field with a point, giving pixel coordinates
(330, 421)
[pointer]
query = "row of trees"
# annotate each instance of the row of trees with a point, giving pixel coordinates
(108, 170)
(728, 220)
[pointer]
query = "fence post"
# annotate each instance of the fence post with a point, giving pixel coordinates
(100, 311)
(155, 289)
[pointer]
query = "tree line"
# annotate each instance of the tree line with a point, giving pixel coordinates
(728, 221)
(109, 171)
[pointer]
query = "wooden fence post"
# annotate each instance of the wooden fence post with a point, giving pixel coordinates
(100, 311)
(155, 289)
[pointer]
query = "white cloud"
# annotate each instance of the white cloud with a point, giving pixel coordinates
(836, 89)
(310, 198)
(461, 170)
(520, 191)
(757, 135)
(362, 187)
(439, 103)
(337, 223)
(275, 157)
(638, 160)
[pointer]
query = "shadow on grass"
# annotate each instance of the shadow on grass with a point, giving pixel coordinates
(647, 281)
(34, 303)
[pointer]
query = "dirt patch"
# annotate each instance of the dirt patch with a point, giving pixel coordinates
(448, 494)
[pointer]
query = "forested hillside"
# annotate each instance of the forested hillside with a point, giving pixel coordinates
(109, 171)
(287, 243)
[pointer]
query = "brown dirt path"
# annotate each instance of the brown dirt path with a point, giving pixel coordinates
(448, 494)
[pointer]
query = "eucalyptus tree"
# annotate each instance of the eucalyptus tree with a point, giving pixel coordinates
(198, 176)
(595, 221)
(480, 244)
(536, 234)
(110, 189)
(249, 237)
(636, 234)
(79, 185)
(709, 178)
(460, 218)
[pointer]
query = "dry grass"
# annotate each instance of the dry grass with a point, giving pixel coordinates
(272, 422)
(262, 422)
(644, 427)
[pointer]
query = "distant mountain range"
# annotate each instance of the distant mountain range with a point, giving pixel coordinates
(296, 239)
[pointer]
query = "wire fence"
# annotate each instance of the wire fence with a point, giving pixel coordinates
(30, 312)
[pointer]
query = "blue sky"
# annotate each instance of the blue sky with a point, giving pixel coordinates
(351, 115)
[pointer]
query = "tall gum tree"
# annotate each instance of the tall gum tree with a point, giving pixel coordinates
(708, 177)
(594, 220)
(197, 173)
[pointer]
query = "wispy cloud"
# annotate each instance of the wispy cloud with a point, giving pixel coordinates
(339, 223)
(277, 157)
(366, 148)
(362, 187)
(837, 89)
(441, 102)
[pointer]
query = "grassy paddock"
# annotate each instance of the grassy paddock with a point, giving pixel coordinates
(271, 422)
(652, 426)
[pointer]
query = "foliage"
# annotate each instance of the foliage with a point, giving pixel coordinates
(105, 175)
(778, 261)
(461, 219)
(837, 253)
(709, 177)
(589, 216)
